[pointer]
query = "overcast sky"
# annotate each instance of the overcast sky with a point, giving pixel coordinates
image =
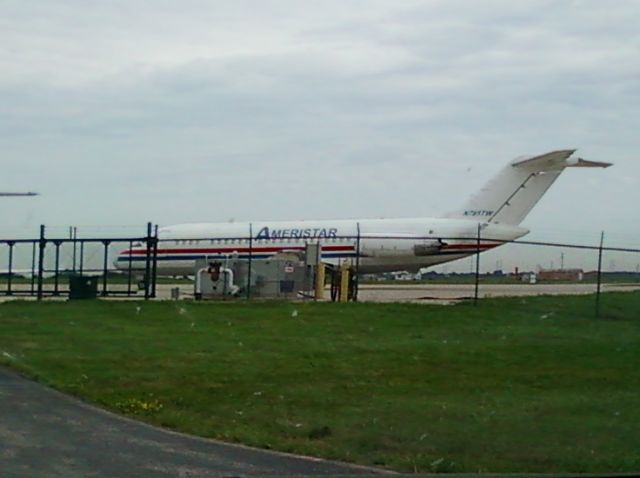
(122, 112)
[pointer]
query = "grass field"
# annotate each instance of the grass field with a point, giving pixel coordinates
(513, 385)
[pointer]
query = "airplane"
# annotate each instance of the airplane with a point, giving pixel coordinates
(376, 245)
(17, 194)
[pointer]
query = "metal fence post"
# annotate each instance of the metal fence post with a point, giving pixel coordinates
(154, 264)
(250, 261)
(477, 278)
(599, 276)
(129, 269)
(56, 283)
(10, 274)
(356, 278)
(34, 274)
(41, 245)
(147, 268)
(73, 235)
(81, 267)
(105, 265)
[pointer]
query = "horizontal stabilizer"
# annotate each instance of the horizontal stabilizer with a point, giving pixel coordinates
(556, 161)
(583, 163)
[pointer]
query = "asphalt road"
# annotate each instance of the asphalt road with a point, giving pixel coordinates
(44, 433)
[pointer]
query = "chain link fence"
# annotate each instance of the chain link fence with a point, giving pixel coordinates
(147, 266)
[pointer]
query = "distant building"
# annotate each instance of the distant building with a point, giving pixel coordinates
(405, 276)
(561, 274)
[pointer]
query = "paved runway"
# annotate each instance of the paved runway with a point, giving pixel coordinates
(445, 293)
(44, 433)
(426, 293)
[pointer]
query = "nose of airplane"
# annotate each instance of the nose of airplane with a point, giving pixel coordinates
(122, 259)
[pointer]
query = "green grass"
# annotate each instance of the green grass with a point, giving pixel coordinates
(513, 385)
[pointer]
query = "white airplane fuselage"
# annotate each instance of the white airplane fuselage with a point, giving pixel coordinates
(374, 245)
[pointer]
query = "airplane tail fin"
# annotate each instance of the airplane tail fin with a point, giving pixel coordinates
(510, 195)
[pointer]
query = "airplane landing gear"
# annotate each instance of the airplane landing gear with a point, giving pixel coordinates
(344, 284)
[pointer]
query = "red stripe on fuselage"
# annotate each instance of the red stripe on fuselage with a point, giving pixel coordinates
(225, 250)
